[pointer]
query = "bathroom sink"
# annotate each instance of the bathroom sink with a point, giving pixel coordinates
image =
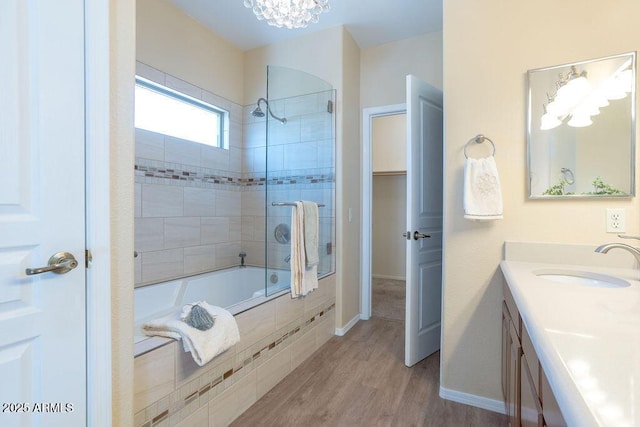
(585, 278)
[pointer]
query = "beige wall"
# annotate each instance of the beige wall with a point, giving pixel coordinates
(333, 56)
(485, 74)
(122, 71)
(349, 171)
(316, 53)
(173, 42)
(389, 143)
(389, 212)
(384, 68)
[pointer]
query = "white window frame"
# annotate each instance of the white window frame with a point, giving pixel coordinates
(222, 140)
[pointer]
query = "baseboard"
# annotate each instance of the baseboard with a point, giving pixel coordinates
(383, 276)
(473, 400)
(342, 331)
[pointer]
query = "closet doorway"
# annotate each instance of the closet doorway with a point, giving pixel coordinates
(388, 214)
(422, 233)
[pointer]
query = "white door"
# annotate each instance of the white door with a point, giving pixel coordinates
(424, 220)
(42, 316)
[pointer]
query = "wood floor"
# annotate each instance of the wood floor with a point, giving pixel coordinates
(360, 380)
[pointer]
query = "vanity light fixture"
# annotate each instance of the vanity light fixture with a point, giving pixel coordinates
(548, 121)
(556, 106)
(574, 87)
(580, 120)
(620, 83)
(288, 13)
(598, 98)
(615, 88)
(574, 98)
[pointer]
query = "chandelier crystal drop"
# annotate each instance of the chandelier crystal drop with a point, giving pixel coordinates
(288, 13)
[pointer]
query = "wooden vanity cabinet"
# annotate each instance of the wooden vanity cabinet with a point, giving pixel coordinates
(552, 415)
(529, 401)
(511, 351)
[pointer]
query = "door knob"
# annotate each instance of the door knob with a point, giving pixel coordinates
(417, 235)
(59, 263)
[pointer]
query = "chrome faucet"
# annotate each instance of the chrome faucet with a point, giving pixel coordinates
(242, 255)
(632, 250)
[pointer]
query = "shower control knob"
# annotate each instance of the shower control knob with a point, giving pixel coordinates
(417, 235)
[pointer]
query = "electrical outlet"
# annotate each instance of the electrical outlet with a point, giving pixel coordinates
(616, 221)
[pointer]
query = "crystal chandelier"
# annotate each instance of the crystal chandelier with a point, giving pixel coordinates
(288, 13)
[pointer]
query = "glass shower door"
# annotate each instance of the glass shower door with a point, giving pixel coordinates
(300, 166)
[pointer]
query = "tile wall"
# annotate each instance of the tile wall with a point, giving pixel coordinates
(188, 196)
(298, 166)
(197, 207)
(275, 338)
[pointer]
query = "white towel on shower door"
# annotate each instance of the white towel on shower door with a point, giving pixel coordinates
(482, 190)
(203, 345)
(311, 232)
(304, 278)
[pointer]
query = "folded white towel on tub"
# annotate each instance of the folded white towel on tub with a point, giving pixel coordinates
(482, 190)
(203, 345)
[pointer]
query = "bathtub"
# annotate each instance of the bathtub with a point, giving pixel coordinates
(237, 289)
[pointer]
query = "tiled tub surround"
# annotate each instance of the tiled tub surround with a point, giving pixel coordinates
(188, 196)
(275, 337)
(197, 207)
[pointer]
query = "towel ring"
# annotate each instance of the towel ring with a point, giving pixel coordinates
(567, 175)
(479, 139)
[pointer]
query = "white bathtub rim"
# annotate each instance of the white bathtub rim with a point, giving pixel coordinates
(145, 343)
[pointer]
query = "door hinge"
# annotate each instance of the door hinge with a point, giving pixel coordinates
(88, 257)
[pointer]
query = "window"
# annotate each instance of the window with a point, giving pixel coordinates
(163, 110)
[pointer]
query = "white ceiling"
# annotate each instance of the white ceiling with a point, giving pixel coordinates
(370, 22)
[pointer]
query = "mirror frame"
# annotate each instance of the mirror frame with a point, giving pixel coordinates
(632, 141)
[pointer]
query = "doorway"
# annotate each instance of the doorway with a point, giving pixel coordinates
(368, 117)
(424, 212)
(389, 200)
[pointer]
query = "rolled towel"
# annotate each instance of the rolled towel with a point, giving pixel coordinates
(482, 190)
(204, 345)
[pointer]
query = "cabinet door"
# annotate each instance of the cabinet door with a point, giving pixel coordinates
(550, 409)
(530, 408)
(506, 351)
(511, 368)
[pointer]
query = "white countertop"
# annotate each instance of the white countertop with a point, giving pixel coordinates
(587, 340)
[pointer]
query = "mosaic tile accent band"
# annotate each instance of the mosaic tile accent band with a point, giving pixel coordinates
(178, 174)
(188, 400)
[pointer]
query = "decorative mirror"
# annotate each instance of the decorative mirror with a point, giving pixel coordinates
(581, 128)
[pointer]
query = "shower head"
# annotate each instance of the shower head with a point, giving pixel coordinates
(257, 112)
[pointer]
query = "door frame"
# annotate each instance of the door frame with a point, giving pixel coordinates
(366, 186)
(98, 211)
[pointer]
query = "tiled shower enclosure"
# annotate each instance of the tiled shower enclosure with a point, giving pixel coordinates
(198, 207)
